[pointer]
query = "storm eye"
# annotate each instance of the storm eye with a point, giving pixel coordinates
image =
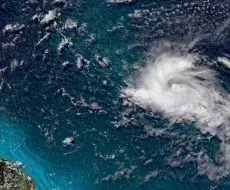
(174, 82)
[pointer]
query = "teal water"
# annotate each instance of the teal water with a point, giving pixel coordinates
(15, 147)
(44, 102)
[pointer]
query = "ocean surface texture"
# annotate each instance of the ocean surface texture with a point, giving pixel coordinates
(116, 94)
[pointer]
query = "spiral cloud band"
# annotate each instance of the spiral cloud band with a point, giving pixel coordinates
(182, 91)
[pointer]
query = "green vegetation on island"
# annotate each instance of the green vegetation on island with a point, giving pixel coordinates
(12, 178)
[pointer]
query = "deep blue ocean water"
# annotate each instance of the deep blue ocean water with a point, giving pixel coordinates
(43, 101)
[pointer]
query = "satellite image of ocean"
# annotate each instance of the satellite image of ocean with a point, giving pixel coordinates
(116, 94)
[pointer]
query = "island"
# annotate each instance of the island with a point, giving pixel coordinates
(12, 178)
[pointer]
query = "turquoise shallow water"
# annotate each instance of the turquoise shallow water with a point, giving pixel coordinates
(44, 102)
(14, 147)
